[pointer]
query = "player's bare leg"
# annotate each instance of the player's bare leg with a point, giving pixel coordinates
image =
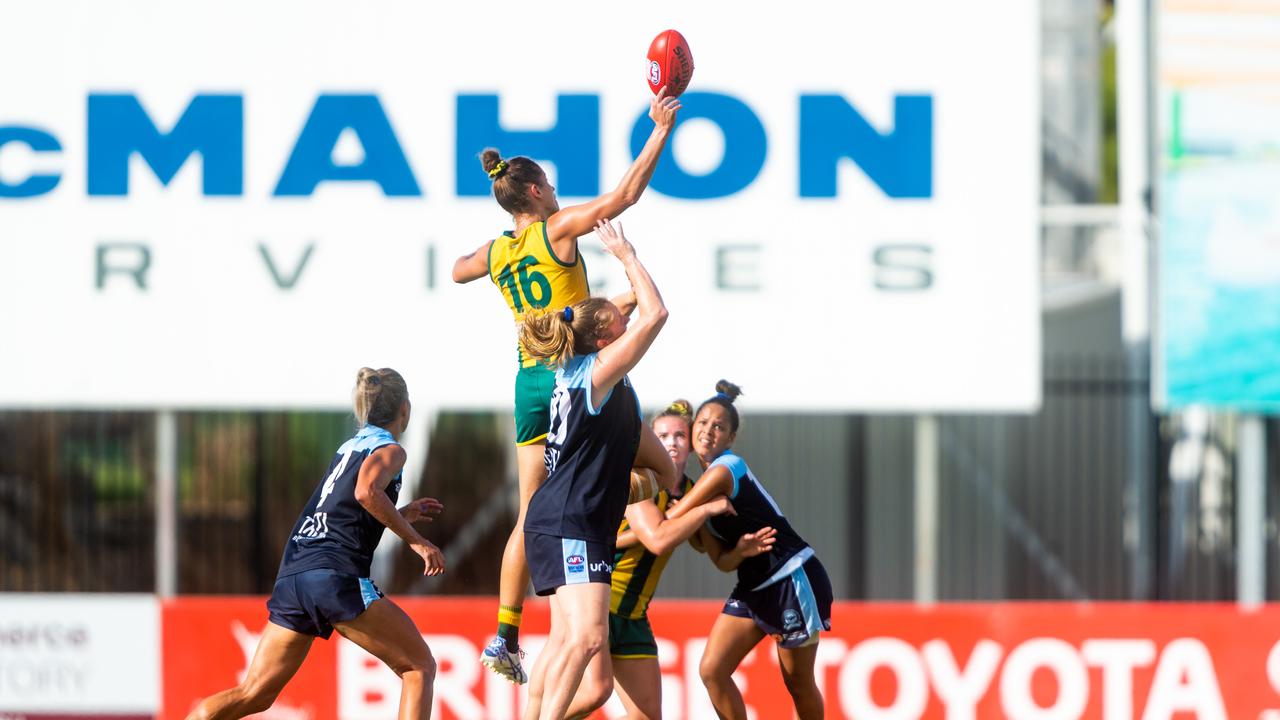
(538, 678)
(279, 655)
(595, 688)
(730, 640)
(387, 633)
(584, 612)
(797, 673)
(502, 654)
(638, 682)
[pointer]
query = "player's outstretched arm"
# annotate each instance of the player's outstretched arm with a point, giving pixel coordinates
(715, 481)
(571, 223)
(371, 492)
(473, 266)
(617, 358)
(659, 534)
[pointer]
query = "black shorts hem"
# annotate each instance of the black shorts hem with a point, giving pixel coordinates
(556, 561)
(792, 610)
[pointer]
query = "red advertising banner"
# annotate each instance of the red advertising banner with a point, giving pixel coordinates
(206, 645)
(1017, 660)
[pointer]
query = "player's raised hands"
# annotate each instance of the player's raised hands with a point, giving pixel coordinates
(422, 509)
(662, 110)
(614, 241)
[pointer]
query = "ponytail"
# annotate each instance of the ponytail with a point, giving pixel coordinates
(378, 396)
(554, 336)
(511, 179)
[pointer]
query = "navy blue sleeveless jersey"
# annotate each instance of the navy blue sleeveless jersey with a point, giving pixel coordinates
(335, 531)
(755, 510)
(589, 456)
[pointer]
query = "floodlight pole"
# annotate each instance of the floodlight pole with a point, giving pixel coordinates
(166, 503)
(1134, 156)
(1251, 511)
(1135, 151)
(926, 509)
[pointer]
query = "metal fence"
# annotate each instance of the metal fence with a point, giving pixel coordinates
(1093, 497)
(76, 506)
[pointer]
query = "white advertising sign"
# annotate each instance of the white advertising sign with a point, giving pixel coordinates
(238, 204)
(79, 654)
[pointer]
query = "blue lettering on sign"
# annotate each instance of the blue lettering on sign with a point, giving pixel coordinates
(311, 161)
(212, 125)
(572, 144)
(900, 162)
(745, 146)
(38, 141)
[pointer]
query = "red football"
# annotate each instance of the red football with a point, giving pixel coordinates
(670, 63)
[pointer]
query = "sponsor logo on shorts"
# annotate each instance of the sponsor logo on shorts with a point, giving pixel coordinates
(792, 638)
(601, 567)
(790, 619)
(575, 563)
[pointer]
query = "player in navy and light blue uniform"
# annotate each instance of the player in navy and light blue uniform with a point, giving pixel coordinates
(596, 436)
(590, 451)
(324, 583)
(783, 592)
(537, 265)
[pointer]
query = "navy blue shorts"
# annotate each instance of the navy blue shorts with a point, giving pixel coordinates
(313, 601)
(555, 561)
(793, 610)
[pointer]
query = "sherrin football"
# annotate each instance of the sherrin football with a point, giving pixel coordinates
(670, 63)
(644, 485)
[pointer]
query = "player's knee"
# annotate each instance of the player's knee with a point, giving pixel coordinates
(712, 673)
(256, 697)
(587, 641)
(799, 684)
(420, 664)
(596, 692)
(426, 667)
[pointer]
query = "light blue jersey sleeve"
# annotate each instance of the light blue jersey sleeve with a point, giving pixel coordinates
(368, 439)
(736, 466)
(577, 374)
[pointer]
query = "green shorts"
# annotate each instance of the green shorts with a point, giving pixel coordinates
(533, 403)
(631, 638)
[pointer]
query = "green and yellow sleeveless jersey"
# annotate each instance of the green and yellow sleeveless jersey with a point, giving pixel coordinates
(529, 275)
(636, 572)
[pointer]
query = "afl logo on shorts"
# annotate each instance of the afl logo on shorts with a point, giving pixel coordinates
(790, 619)
(655, 73)
(575, 563)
